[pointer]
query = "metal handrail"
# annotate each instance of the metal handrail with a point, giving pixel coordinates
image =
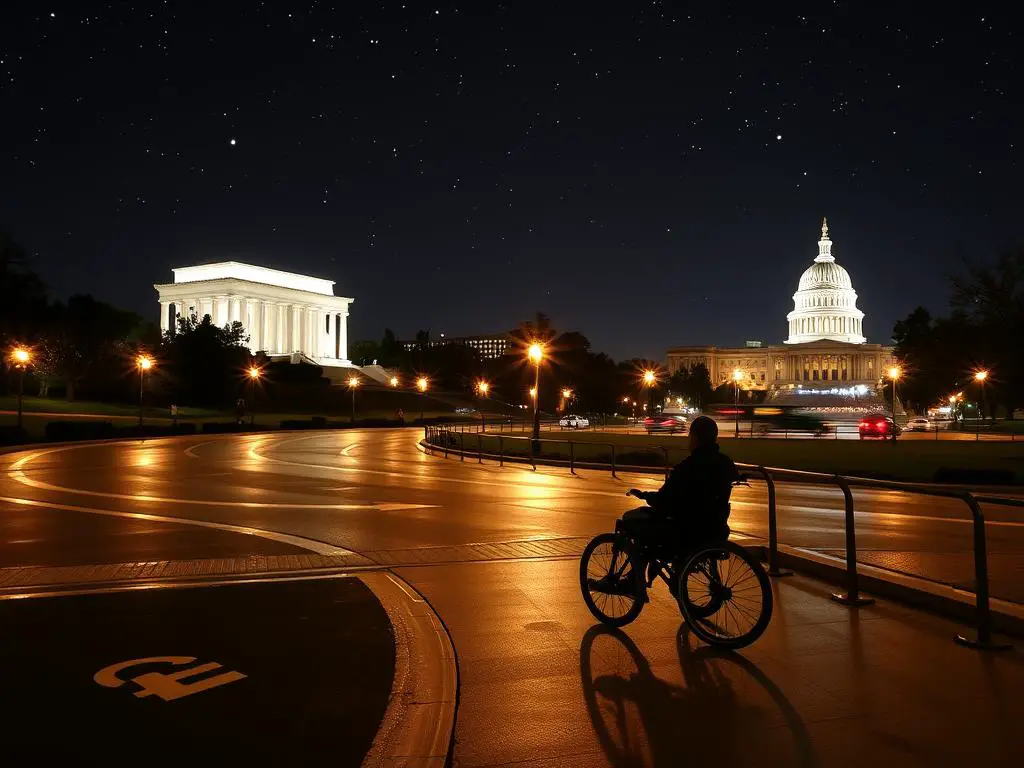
(852, 596)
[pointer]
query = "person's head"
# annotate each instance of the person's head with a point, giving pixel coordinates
(703, 432)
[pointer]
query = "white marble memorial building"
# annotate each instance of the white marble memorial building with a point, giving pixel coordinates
(283, 313)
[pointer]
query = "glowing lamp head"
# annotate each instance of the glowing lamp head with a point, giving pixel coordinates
(421, 383)
(566, 394)
(625, 400)
(894, 372)
(483, 387)
(254, 373)
(535, 352)
(649, 378)
(737, 375)
(980, 375)
(533, 392)
(145, 362)
(21, 356)
(353, 382)
(394, 381)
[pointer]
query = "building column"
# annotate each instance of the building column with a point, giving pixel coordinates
(281, 312)
(266, 329)
(165, 316)
(234, 309)
(295, 330)
(343, 336)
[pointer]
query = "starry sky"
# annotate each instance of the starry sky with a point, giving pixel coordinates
(648, 173)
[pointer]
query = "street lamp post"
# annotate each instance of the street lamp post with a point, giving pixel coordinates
(736, 376)
(254, 376)
(482, 388)
(981, 377)
(353, 385)
(144, 362)
(894, 374)
(21, 359)
(421, 385)
(536, 354)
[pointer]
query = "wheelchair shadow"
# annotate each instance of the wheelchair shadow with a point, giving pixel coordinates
(642, 720)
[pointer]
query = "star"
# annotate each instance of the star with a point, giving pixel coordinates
(232, 142)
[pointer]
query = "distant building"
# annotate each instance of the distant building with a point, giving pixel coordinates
(826, 351)
(487, 346)
(284, 314)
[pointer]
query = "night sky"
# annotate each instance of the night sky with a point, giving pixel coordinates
(650, 174)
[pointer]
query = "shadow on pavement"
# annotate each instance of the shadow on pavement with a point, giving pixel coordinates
(723, 709)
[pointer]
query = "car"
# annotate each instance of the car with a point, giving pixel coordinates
(878, 425)
(465, 411)
(665, 423)
(918, 424)
(572, 421)
(790, 422)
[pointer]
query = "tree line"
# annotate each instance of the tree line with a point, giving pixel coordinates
(595, 382)
(940, 357)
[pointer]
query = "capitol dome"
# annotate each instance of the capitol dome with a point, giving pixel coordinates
(825, 304)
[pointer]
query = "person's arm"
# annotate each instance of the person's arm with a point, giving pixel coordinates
(672, 494)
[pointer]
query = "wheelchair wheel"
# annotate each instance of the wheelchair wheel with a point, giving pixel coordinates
(725, 596)
(610, 579)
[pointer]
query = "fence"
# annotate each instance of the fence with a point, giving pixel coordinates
(450, 440)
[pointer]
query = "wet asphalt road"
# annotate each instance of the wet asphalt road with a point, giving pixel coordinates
(538, 684)
(376, 491)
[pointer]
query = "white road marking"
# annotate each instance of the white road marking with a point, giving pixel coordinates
(312, 545)
(16, 471)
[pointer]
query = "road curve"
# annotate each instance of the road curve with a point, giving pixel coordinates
(493, 549)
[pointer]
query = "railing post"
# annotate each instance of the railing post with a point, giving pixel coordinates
(480, 447)
(501, 450)
(984, 639)
(773, 528)
(447, 439)
(613, 460)
(572, 459)
(667, 469)
(462, 446)
(852, 595)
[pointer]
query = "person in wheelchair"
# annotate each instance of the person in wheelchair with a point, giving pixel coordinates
(692, 507)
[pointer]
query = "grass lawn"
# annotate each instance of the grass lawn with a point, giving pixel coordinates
(911, 460)
(38, 412)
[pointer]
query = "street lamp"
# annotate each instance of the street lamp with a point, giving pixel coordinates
(394, 381)
(21, 357)
(421, 384)
(536, 354)
(566, 396)
(482, 388)
(353, 384)
(737, 376)
(254, 375)
(894, 374)
(981, 377)
(144, 363)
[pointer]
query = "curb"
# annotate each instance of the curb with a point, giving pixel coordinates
(943, 599)
(418, 728)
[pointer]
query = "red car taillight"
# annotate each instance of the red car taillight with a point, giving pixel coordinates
(882, 426)
(864, 425)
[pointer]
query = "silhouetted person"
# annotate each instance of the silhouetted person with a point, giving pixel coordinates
(693, 504)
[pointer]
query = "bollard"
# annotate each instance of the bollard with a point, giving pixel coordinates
(572, 458)
(613, 460)
(501, 450)
(480, 448)
(852, 595)
(462, 446)
(773, 529)
(984, 640)
(668, 469)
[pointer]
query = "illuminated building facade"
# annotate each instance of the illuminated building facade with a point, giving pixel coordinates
(284, 314)
(487, 346)
(825, 353)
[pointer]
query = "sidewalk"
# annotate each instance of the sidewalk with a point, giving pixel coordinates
(827, 685)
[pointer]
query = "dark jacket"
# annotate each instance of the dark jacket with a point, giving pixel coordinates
(696, 494)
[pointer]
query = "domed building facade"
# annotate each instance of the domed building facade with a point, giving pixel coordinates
(825, 351)
(825, 304)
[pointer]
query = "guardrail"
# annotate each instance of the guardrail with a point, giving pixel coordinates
(447, 439)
